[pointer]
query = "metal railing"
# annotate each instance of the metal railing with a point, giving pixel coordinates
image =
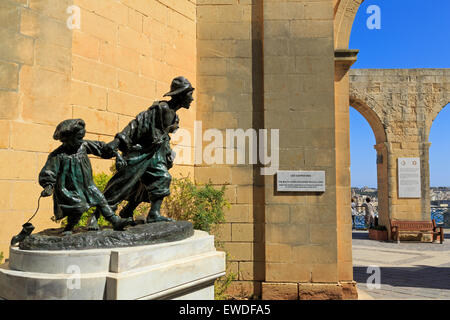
(437, 213)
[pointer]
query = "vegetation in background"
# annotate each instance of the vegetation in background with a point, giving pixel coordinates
(221, 285)
(203, 205)
(1, 257)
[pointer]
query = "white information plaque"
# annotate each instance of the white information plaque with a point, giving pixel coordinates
(301, 181)
(409, 178)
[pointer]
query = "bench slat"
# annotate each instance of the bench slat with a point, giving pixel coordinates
(413, 225)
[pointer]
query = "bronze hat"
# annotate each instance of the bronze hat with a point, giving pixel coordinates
(68, 127)
(179, 85)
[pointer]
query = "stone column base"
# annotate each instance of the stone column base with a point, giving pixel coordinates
(309, 291)
(183, 269)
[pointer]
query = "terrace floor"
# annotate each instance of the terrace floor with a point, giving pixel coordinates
(406, 271)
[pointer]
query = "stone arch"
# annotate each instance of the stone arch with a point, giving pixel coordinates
(434, 113)
(361, 104)
(345, 12)
(366, 107)
(426, 145)
(344, 15)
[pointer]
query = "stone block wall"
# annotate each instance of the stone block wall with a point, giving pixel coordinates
(122, 58)
(301, 229)
(229, 58)
(35, 63)
(276, 241)
(125, 56)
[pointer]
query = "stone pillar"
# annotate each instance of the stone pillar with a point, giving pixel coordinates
(402, 208)
(344, 59)
(230, 97)
(383, 186)
(301, 229)
(425, 179)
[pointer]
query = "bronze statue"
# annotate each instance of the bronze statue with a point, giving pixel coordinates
(142, 176)
(67, 175)
(145, 146)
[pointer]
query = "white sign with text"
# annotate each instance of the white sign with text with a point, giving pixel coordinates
(301, 181)
(409, 178)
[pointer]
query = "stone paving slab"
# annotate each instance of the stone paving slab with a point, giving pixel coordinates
(408, 271)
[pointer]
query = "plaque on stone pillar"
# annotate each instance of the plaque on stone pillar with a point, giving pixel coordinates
(409, 178)
(301, 181)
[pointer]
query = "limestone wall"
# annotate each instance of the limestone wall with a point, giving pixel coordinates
(230, 96)
(301, 242)
(276, 241)
(122, 58)
(125, 56)
(35, 55)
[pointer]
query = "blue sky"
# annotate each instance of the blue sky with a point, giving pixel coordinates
(413, 34)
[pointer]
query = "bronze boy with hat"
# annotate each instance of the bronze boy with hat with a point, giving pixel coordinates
(145, 145)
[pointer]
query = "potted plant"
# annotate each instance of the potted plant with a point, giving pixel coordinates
(378, 233)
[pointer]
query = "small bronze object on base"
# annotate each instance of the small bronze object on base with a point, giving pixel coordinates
(145, 144)
(26, 231)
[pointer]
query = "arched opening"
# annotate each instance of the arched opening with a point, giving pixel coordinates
(399, 280)
(345, 12)
(369, 166)
(439, 154)
(363, 170)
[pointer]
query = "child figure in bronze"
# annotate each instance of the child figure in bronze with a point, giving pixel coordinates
(67, 175)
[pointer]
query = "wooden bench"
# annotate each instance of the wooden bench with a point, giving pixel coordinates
(429, 227)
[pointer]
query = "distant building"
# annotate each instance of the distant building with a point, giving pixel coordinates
(439, 196)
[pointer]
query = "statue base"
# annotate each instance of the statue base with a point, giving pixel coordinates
(140, 235)
(183, 269)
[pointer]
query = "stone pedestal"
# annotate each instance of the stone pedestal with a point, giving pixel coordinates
(183, 269)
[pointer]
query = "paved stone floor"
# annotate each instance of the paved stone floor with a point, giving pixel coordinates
(409, 270)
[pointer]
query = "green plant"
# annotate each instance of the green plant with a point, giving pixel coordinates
(221, 285)
(1, 257)
(203, 205)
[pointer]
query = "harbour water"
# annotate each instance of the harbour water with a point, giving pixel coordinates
(436, 213)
